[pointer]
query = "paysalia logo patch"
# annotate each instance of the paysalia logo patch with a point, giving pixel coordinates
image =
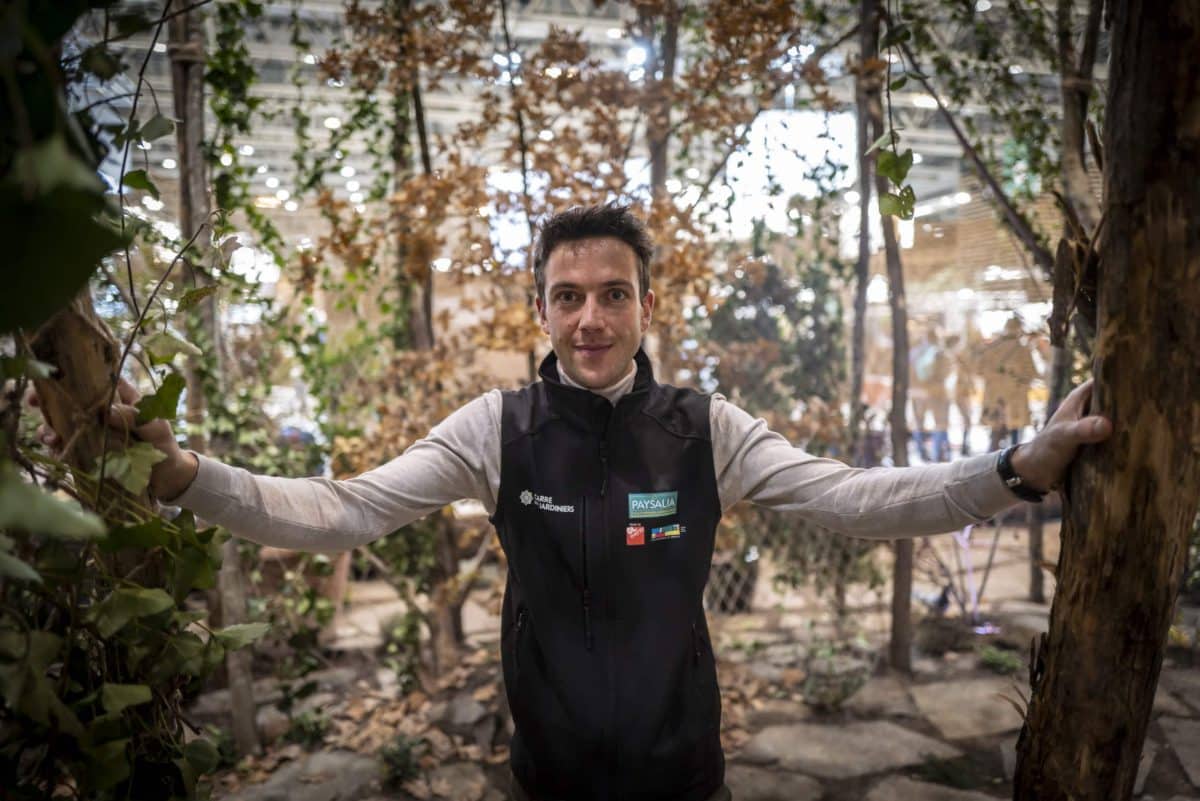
(653, 504)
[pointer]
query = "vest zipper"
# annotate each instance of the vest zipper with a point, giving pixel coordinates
(520, 624)
(695, 645)
(587, 587)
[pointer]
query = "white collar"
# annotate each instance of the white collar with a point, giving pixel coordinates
(613, 392)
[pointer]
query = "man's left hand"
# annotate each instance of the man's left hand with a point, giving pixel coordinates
(1042, 462)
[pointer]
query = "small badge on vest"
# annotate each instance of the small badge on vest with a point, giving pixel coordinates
(635, 534)
(653, 504)
(670, 532)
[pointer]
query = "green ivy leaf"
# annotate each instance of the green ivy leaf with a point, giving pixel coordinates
(163, 403)
(138, 179)
(151, 534)
(13, 568)
(100, 61)
(193, 570)
(899, 83)
(240, 635)
(17, 366)
(156, 127)
(108, 764)
(202, 755)
(163, 346)
(897, 34)
(894, 167)
(116, 697)
(131, 467)
(123, 605)
(898, 204)
(43, 268)
(881, 141)
(28, 508)
(194, 296)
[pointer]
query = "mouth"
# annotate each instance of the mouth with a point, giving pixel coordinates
(592, 350)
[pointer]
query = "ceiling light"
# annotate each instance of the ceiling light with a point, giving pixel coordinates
(546, 135)
(309, 58)
(169, 164)
(333, 123)
(226, 159)
(283, 194)
(351, 186)
(246, 150)
(272, 182)
(151, 203)
(261, 169)
(291, 205)
(356, 197)
(160, 47)
(615, 33)
(347, 171)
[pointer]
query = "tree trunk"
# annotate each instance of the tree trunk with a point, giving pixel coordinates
(900, 647)
(187, 49)
(1129, 504)
(862, 270)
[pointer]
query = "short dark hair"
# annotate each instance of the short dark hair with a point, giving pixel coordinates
(592, 222)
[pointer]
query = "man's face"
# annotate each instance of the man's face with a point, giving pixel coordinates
(591, 309)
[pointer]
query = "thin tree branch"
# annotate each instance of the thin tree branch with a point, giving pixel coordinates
(1019, 225)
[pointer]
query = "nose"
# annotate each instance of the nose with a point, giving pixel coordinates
(590, 315)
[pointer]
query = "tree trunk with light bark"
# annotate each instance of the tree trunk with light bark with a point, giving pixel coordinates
(187, 49)
(1129, 504)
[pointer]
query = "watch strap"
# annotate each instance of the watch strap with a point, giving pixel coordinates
(1013, 481)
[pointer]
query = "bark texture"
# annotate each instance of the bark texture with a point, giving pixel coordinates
(1129, 503)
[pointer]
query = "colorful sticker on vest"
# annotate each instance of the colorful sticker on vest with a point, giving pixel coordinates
(665, 532)
(653, 504)
(635, 534)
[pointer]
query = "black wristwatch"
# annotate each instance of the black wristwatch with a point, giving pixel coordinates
(1013, 481)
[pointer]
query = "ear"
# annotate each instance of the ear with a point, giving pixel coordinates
(647, 309)
(541, 310)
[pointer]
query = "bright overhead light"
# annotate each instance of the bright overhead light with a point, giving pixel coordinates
(441, 265)
(291, 205)
(261, 169)
(169, 164)
(144, 145)
(226, 159)
(636, 74)
(150, 202)
(636, 56)
(692, 173)
(246, 150)
(272, 182)
(615, 33)
(283, 194)
(924, 101)
(360, 208)
(347, 171)
(333, 123)
(983, 5)
(673, 185)
(962, 198)
(917, 158)
(309, 58)
(552, 72)
(160, 47)
(356, 197)
(853, 197)
(352, 186)
(1015, 69)
(546, 135)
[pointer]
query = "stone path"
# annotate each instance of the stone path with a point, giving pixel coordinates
(946, 735)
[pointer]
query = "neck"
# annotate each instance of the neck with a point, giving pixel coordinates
(613, 392)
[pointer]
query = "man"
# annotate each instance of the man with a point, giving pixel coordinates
(605, 488)
(1008, 371)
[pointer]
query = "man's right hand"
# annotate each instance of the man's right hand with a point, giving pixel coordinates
(170, 477)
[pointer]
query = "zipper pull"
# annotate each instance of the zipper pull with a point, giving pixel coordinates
(587, 617)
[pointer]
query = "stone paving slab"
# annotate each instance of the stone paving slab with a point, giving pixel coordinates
(1184, 683)
(750, 783)
(883, 695)
(969, 707)
(1183, 735)
(321, 776)
(845, 750)
(1167, 704)
(902, 788)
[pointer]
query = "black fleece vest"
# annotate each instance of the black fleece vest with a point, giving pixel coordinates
(607, 516)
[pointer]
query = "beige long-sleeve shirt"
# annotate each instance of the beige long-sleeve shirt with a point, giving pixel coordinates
(460, 459)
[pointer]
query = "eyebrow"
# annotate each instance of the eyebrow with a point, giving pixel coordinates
(623, 284)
